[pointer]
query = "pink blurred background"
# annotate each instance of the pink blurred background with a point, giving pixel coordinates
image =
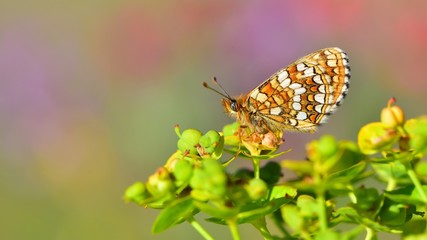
(90, 92)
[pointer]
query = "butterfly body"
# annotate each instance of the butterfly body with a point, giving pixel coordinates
(298, 97)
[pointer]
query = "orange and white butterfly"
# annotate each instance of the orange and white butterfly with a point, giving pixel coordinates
(297, 97)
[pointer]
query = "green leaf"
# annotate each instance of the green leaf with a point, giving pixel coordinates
(173, 214)
(249, 212)
(393, 214)
(260, 212)
(367, 199)
(283, 191)
(347, 175)
(407, 195)
(216, 210)
(350, 215)
(253, 211)
(394, 171)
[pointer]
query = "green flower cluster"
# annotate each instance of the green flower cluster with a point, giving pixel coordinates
(372, 186)
(194, 180)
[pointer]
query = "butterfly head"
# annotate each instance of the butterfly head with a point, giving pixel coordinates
(231, 106)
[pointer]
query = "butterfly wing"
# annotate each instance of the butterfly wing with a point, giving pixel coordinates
(300, 96)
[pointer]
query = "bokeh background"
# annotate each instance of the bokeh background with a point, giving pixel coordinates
(90, 92)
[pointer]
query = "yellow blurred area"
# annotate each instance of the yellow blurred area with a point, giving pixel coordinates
(90, 92)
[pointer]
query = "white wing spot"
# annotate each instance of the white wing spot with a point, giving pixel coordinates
(309, 72)
(285, 83)
(296, 106)
(282, 75)
(295, 86)
(300, 91)
(301, 116)
(318, 108)
(317, 79)
(292, 122)
(297, 98)
(320, 98)
(301, 67)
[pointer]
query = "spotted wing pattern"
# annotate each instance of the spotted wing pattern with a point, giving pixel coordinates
(302, 95)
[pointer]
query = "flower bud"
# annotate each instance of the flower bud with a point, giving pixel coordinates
(208, 181)
(256, 189)
(188, 141)
(136, 192)
(230, 134)
(392, 116)
(160, 182)
(183, 171)
(210, 141)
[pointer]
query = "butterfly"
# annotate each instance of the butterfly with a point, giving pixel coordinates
(298, 97)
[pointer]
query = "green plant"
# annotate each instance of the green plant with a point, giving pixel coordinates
(372, 186)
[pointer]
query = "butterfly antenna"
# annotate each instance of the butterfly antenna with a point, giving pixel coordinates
(224, 93)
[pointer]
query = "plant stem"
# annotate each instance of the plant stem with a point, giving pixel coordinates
(413, 176)
(256, 164)
(322, 212)
(199, 228)
(233, 229)
(391, 184)
(370, 234)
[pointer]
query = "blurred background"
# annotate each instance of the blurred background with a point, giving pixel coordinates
(90, 92)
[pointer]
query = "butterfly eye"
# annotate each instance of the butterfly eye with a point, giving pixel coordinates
(233, 105)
